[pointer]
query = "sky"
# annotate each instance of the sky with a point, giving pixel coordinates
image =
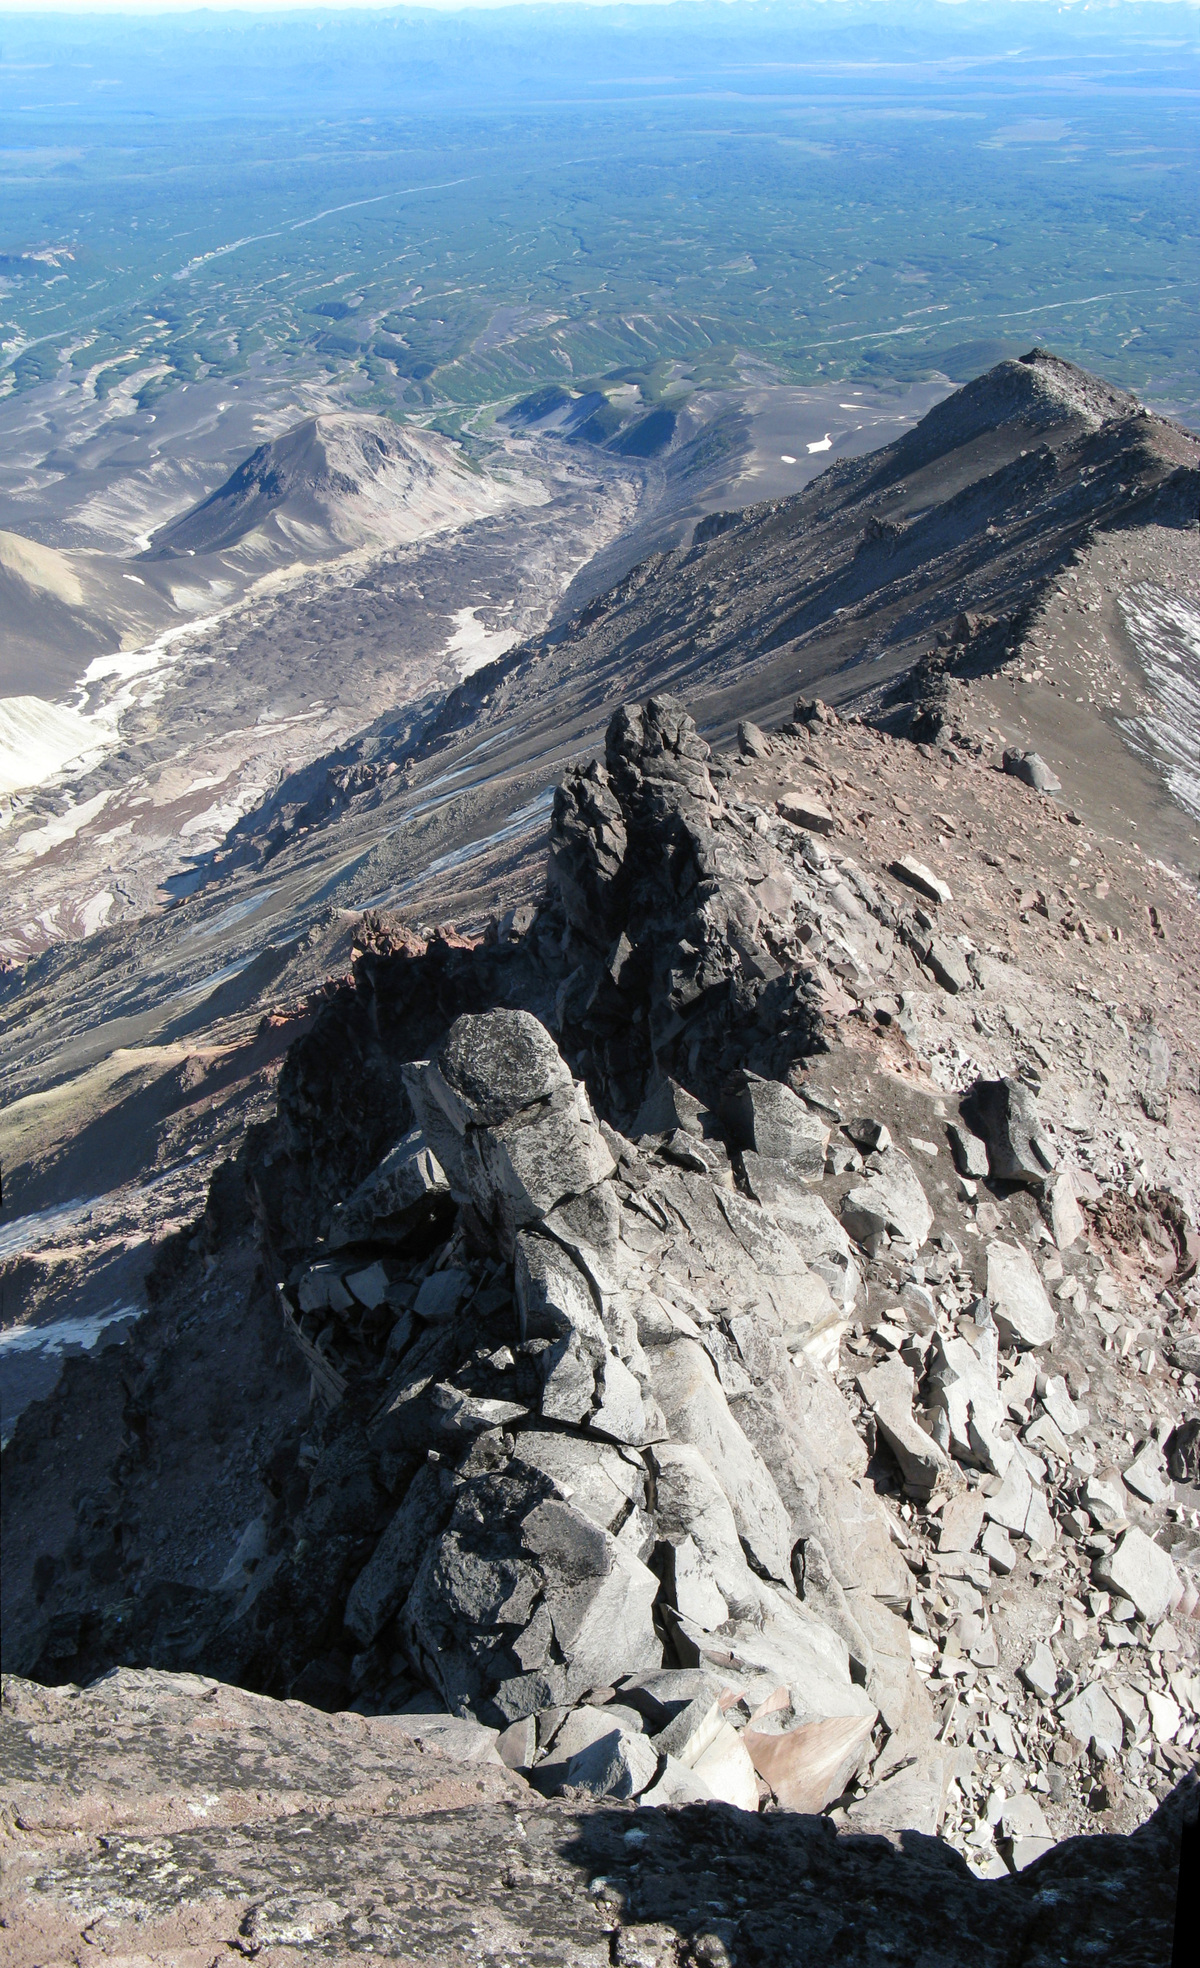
(441, 6)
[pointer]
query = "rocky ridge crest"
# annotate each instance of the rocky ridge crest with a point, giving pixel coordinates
(682, 1411)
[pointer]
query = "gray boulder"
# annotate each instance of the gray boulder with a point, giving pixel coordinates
(599, 1481)
(766, 1116)
(810, 1224)
(532, 1161)
(891, 1200)
(669, 1108)
(752, 742)
(496, 1063)
(1004, 1113)
(1031, 768)
(588, 840)
(441, 1294)
(693, 1509)
(524, 1601)
(1092, 1718)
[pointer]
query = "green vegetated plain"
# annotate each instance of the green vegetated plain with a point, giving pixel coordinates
(443, 215)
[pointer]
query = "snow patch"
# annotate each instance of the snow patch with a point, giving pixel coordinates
(472, 645)
(95, 911)
(37, 739)
(64, 1333)
(1165, 631)
(61, 826)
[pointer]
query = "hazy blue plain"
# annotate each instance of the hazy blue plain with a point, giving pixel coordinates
(441, 212)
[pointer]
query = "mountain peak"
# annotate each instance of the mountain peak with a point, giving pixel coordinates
(1038, 392)
(334, 481)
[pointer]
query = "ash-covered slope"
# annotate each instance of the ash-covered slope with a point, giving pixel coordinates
(331, 484)
(995, 492)
(1013, 545)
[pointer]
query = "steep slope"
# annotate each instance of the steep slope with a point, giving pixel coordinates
(60, 611)
(996, 492)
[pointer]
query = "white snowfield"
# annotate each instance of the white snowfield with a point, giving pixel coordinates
(37, 738)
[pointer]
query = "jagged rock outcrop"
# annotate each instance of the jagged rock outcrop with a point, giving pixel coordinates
(670, 922)
(679, 1414)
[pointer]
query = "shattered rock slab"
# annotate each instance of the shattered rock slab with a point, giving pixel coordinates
(1138, 1570)
(891, 1201)
(163, 1751)
(446, 1862)
(889, 1391)
(1017, 1297)
(914, 874)
(408, 1188)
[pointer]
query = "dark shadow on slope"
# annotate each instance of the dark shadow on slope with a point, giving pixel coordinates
(795, 1892)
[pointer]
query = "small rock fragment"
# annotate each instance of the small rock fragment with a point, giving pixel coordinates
(1009, 1505)
(962, 1522)
(752, 743)
(1146, 1475)
(1062, 1205)
(888, 1390)
(1102, 1498)
(676, 1785)
(517, 1745)
(969, 1151)
(998, 1549)
(1092, 1718)
(441, 1294)
(618, 1765)
(916, 875)
(949, 965)
(1040, 1672)
(804, 810)
(1031, 768)
(725, 1768)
